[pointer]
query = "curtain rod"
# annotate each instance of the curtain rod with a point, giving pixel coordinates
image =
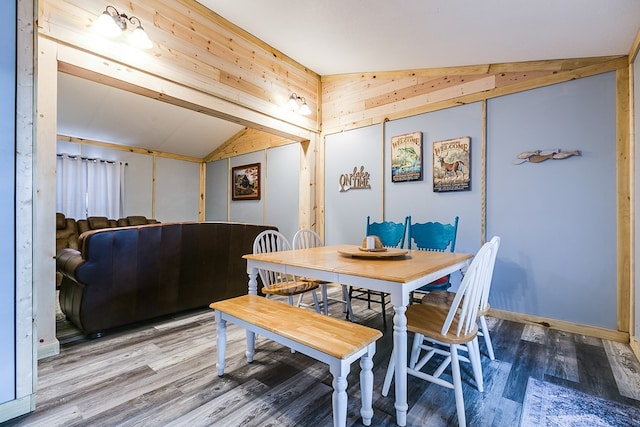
(89, 159)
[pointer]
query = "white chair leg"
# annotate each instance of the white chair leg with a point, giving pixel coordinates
(347, 302)
(315, 300)
(487, 338)
(325, 299)
(473, 349)
(389, 375)
(457, 385)
(415, 349)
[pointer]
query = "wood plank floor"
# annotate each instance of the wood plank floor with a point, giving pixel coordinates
(163, 374)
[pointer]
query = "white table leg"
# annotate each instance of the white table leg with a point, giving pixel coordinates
(221, 342)
(366, 384)
(253, 290)
(253, 279)
(339, 369)
(400, 350)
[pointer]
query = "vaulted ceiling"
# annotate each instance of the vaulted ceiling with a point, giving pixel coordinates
(336, 37)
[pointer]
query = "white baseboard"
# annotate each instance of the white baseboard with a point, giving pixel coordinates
(635, 346)
(49, 349)
(15, 408)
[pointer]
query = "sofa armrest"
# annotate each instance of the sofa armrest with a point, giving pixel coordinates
(67, 261)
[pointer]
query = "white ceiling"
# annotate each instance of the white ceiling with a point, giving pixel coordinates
(101, 113)
(351, 36)
(346, 36)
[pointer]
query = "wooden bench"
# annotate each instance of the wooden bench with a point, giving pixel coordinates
(330, 340)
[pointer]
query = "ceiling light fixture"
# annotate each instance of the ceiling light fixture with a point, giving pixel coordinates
(112, 23)
(299, 104)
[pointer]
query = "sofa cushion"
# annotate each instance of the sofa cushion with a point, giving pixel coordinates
(60, 221)
(67, 237)
(98, 222)
(137, 220)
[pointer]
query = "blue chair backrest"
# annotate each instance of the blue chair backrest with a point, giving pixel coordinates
(391, 234)
(433, 236)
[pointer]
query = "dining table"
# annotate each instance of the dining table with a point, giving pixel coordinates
(393, 271)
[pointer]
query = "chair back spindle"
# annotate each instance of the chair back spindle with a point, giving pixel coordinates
(470, 292)
(271, 241)
(306, 238)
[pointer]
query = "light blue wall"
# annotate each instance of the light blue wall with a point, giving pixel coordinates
(417, 198)
(217, 190)
(282, 185)
(279, 200)
(251, 211)
(7, 206)
(177, 190)
(346, 212)
(557, 219)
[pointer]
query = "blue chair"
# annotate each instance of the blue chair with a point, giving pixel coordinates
(392, 235)
(433, 236)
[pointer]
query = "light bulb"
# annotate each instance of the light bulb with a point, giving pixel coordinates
(304, 109)
(140, 39)
(292, 103)
(106, 24)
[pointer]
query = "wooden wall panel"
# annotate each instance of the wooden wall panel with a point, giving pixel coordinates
(355, 100)
(247, 141)
(194, 47)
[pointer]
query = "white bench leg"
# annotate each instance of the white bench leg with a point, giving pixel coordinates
(339, 369)
(366, 384)
(222, 342)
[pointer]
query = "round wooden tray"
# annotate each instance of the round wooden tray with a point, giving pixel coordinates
(358, 252)
(373, 250)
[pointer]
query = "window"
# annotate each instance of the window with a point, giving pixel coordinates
(89, 187)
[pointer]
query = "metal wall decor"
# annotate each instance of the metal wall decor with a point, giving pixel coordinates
(406, 157)
(452, 165)
(357, 180)
(539, 156)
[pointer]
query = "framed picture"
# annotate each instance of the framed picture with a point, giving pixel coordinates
(245, 182)
(406, 157)
(452, 165)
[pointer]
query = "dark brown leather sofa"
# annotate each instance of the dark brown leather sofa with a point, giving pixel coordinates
(125, 275)
(68, 230)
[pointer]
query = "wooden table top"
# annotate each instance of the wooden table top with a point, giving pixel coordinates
(413, 265)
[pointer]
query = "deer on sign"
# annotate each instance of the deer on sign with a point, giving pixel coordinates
(451, 168)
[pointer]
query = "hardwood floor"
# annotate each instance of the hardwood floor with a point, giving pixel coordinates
(163, 374)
